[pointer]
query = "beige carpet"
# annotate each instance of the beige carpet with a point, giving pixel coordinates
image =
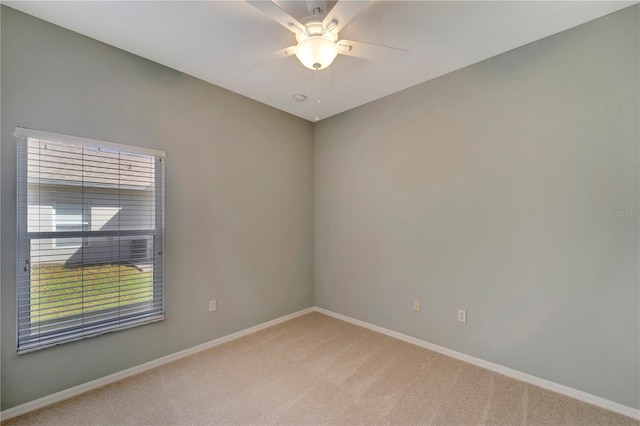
(318, 370)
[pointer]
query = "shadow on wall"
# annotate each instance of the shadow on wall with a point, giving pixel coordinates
(130, 250)
(135, 250)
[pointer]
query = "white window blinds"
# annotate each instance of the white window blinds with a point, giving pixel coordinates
(90, 238)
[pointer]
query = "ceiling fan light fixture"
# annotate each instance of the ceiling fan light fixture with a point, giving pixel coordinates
(316, 52)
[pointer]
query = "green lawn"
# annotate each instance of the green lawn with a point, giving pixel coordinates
(58, 290)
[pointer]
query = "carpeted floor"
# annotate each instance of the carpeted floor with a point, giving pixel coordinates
(319, 370)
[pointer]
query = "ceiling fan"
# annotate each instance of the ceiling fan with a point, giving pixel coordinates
(317, 37)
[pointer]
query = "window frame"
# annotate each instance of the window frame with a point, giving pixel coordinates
(78, 328)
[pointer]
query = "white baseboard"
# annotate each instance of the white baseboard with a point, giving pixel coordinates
(94, 384)
(545, 384)
(515, 374)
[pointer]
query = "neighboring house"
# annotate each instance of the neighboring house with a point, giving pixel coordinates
(92, 192)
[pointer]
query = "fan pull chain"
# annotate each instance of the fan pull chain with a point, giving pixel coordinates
(317, 117)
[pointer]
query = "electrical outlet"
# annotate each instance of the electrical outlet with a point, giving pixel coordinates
(212, 305)
(462, 315)
(416, 305)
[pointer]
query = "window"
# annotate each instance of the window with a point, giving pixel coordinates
(90, 238)
(69, 217)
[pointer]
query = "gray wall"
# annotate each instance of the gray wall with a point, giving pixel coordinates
(239, 197)
(488, 189)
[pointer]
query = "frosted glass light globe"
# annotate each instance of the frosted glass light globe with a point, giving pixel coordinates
(316, 53)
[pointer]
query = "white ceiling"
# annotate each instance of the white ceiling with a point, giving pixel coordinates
(218, 41)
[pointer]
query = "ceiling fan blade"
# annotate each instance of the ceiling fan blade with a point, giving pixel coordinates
(374, 52)
(343, 12)
(274, 56)
(274, 12)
